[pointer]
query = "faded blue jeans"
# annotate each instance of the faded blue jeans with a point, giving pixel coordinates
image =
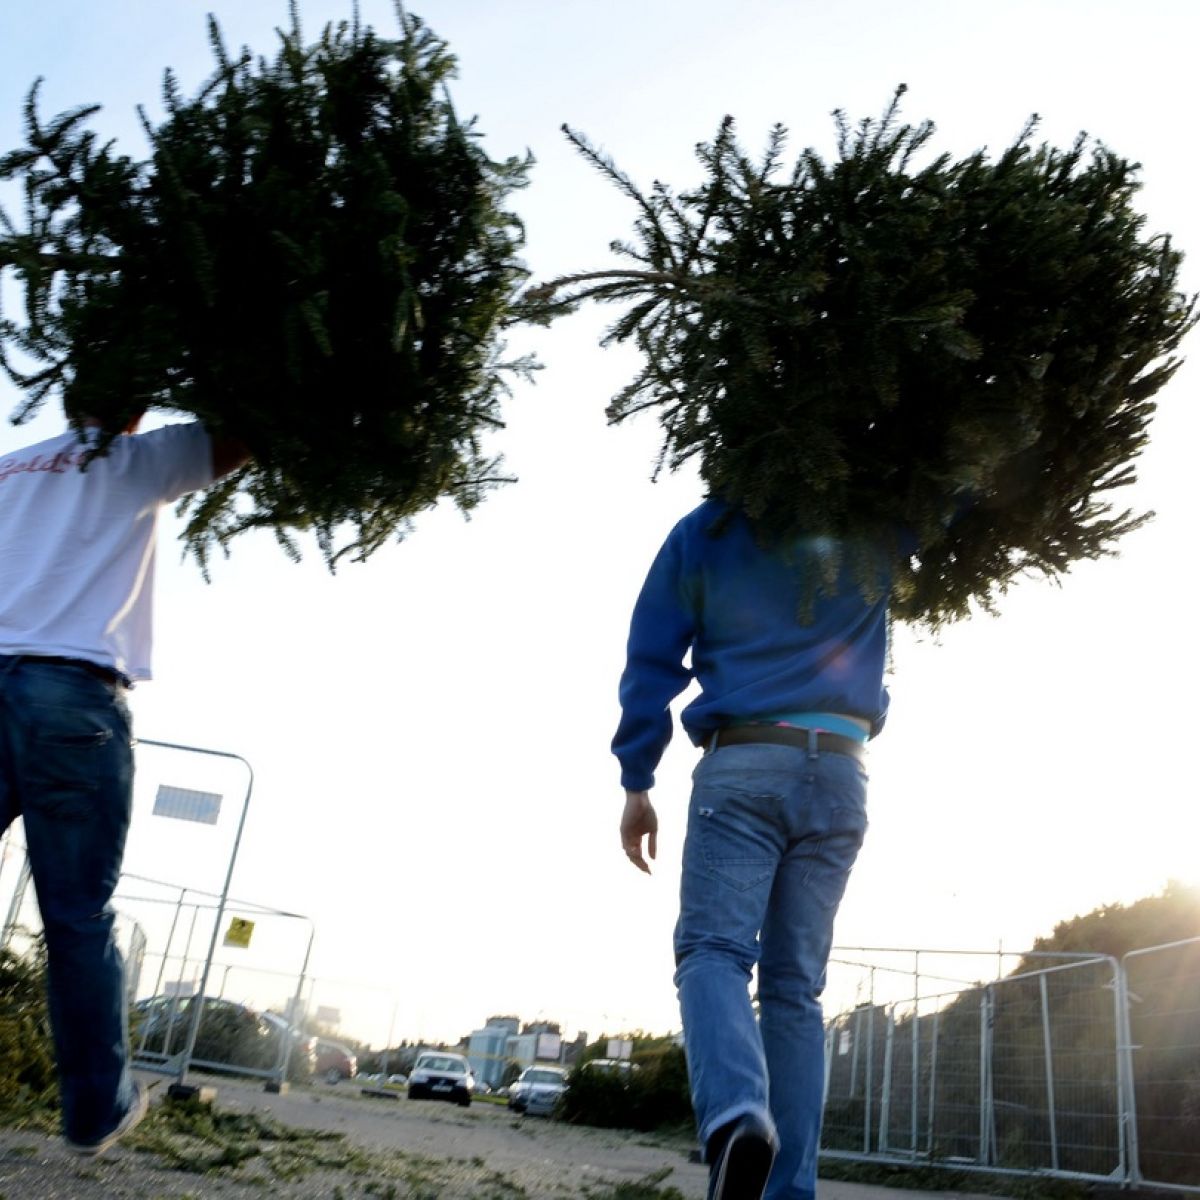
(66, 766)
(772, 834)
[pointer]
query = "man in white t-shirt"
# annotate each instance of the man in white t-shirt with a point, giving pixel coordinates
(77, 545)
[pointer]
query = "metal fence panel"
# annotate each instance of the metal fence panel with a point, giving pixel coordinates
(1164, 1024)
(1019, 1075)
(956, 1112)
(1054, 1089)
(855, 1084)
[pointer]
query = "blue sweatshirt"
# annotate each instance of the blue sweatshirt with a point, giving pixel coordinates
(737, 608)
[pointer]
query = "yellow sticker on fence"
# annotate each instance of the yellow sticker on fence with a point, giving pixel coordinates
(238, 933)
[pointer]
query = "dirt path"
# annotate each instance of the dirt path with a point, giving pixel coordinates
(333, 1143)
(391, 1149)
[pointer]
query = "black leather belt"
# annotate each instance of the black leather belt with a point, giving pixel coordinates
(107, 674)
(784, 735)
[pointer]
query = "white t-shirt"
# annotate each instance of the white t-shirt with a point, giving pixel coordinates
(77, 547)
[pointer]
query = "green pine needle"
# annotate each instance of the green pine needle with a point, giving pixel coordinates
(867, 345)
(316, 259)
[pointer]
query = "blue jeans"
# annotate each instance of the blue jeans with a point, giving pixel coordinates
(772, 834)
(66, 766)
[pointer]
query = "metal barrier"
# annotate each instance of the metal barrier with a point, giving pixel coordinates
(211, 804)
(15, 874)
(1027, 1073)
(1163, 1014)
(249, 1021)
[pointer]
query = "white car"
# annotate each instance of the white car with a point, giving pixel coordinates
(441, 1075)
(537, 1090)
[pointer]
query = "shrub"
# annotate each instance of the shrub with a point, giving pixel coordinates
(651, 1095)
(28, 1087)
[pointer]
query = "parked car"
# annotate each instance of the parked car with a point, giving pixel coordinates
(611, 1066)
(159, 1028)
(537, 1090)
(302, 1061)
(334, 1062)
(441, 1075)
(232, 1037)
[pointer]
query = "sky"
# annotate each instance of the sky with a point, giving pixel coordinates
(433, 791)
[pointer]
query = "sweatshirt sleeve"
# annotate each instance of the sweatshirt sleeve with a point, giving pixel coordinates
(660, 635)
(172, 460)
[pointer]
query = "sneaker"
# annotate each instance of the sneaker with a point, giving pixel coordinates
(133, 1116)
(741, 1154)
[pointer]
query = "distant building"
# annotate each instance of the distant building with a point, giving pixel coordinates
(573, 1050)
(539, 1041)
(523, 1048)
(503, 1040)
(487, 1048)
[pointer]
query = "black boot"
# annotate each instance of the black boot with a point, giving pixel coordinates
(740, 1155)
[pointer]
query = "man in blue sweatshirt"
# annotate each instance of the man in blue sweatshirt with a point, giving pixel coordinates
(789, 656)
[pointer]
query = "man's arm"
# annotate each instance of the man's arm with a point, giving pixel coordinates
(660, 635)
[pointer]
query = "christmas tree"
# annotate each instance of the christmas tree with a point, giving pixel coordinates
(961, 354)
(315, 258)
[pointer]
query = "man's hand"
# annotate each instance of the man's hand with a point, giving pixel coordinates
(227, 455)
(637, 821)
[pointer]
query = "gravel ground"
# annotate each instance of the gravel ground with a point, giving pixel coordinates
(391, 1149)
(333, 1143)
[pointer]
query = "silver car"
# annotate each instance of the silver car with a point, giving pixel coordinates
(441, 1075)
(538, 1090)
